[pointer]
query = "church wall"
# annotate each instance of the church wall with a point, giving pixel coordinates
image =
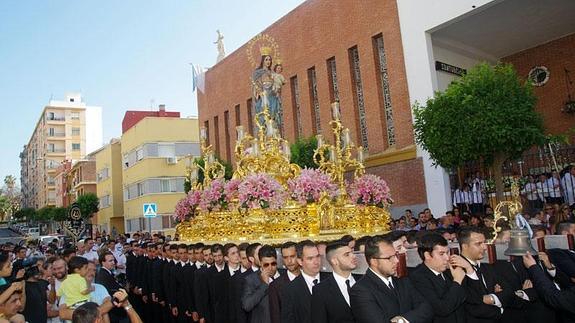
(308, 37)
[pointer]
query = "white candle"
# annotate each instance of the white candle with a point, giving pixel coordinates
(331, 154)
(335, 110)
(203, 133)
(360, 154)
(193, 175)
(270, 128)
(319, 141)
(211, 158)
(256, 148)
(346, 138)
(287, 150)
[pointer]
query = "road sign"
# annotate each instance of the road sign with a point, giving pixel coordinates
(150, 210)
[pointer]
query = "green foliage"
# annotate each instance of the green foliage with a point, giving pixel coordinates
(44, 214)
(302, 152)
(26, 213)
(89, 204)
(59, 214)
(489, 113)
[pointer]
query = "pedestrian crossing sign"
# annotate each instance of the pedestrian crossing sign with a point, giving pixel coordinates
(150, 210)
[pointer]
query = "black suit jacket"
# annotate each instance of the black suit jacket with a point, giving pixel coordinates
(446, 297)
(475, 310)
(328, 304)
(561, 300)
(237, 283)
(274, 296)
(296, 301)
(564, 260)
(201, 293)
(106, 279)
(372, 301)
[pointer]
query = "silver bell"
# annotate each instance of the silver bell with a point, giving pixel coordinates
(519, 243)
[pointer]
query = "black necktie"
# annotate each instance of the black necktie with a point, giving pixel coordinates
(315, 281)
(440, 275)
(348, 284)
(480, 275)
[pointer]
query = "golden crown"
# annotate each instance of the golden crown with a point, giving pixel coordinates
(266, 51)
(278, 61)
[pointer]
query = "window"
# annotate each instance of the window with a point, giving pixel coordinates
(140, 189)
(75, 146)
(357, 88)
(238, 119)
(51, 116)
(313, 98)
(332, 74)
(51, 148)
(384, 94)
(75, 131)
(251, 114)
(51, 132)
(126, 161)
(139, 154)
(166, 150)
(296, 106)
(217, 135)
(104, 201)
(75, 115)
(227, 135)
(165, 185)
(207, 126)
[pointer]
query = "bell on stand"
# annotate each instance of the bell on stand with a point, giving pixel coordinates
(519, 243)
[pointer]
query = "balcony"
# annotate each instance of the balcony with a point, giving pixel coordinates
(57, 135)
(56, 151)
(55, 118)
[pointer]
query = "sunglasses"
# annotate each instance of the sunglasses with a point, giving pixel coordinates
(396, 256)
(266, 265)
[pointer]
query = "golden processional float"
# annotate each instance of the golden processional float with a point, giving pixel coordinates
(271, 200)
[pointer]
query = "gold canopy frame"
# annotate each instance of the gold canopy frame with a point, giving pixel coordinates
(269, 153)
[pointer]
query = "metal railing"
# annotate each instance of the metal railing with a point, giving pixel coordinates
(541, 172)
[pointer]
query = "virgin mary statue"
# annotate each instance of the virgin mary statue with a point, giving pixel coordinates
(264, 91)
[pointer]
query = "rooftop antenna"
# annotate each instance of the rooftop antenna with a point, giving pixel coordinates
(152, 103)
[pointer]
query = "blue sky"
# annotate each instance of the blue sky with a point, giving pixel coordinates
(120, 54)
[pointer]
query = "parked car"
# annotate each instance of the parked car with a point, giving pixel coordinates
(32, 232)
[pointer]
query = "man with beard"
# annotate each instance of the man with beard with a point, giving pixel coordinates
(59, 273)
(330, 298)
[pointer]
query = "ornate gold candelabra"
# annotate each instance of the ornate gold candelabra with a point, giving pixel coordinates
(265, 153)
(212, 168)
(339, 154)
(506, 210)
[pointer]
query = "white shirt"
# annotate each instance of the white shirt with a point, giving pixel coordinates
(291, 276)
(233, 270)
(554, 191)
(218, 268)
(474, 276)
(530, 191)
(91, 255)
(120, 260)
(309, 281)
(276, 276)
(340, 280)
(199, 264)
(568, 183)
(461, 197)
(386, 281)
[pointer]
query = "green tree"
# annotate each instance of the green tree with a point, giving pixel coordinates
(488, 114)
(302, 152)
(89, 204)
(44, 214)
(60, 214)
(25, 213)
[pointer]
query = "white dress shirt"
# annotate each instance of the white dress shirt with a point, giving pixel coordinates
(340, 280)
(291, 276)
(309, 280)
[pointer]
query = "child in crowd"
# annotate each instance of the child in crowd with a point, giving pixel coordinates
(75, 288)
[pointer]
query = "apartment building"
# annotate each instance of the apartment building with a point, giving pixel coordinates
(110, 217)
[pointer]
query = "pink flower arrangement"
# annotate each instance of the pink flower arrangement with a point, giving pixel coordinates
(231, 189)
(214, 197)
(370, 189)
(186, 207)
(309, 185)
(261, 191)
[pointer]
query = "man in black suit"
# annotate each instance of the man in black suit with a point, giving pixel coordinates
(330, 298)
(289, 258)
(201, 290)
(560, 300)
(486, 293)
(381, 297)
(296, 295)
(249, 263)
(439, 282)
(255, 295)
(564, 259)
(223, 296)
(106, 278)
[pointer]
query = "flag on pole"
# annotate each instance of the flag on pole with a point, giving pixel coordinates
(198, 77)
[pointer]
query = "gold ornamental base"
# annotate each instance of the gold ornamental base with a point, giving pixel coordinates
(292, 223)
